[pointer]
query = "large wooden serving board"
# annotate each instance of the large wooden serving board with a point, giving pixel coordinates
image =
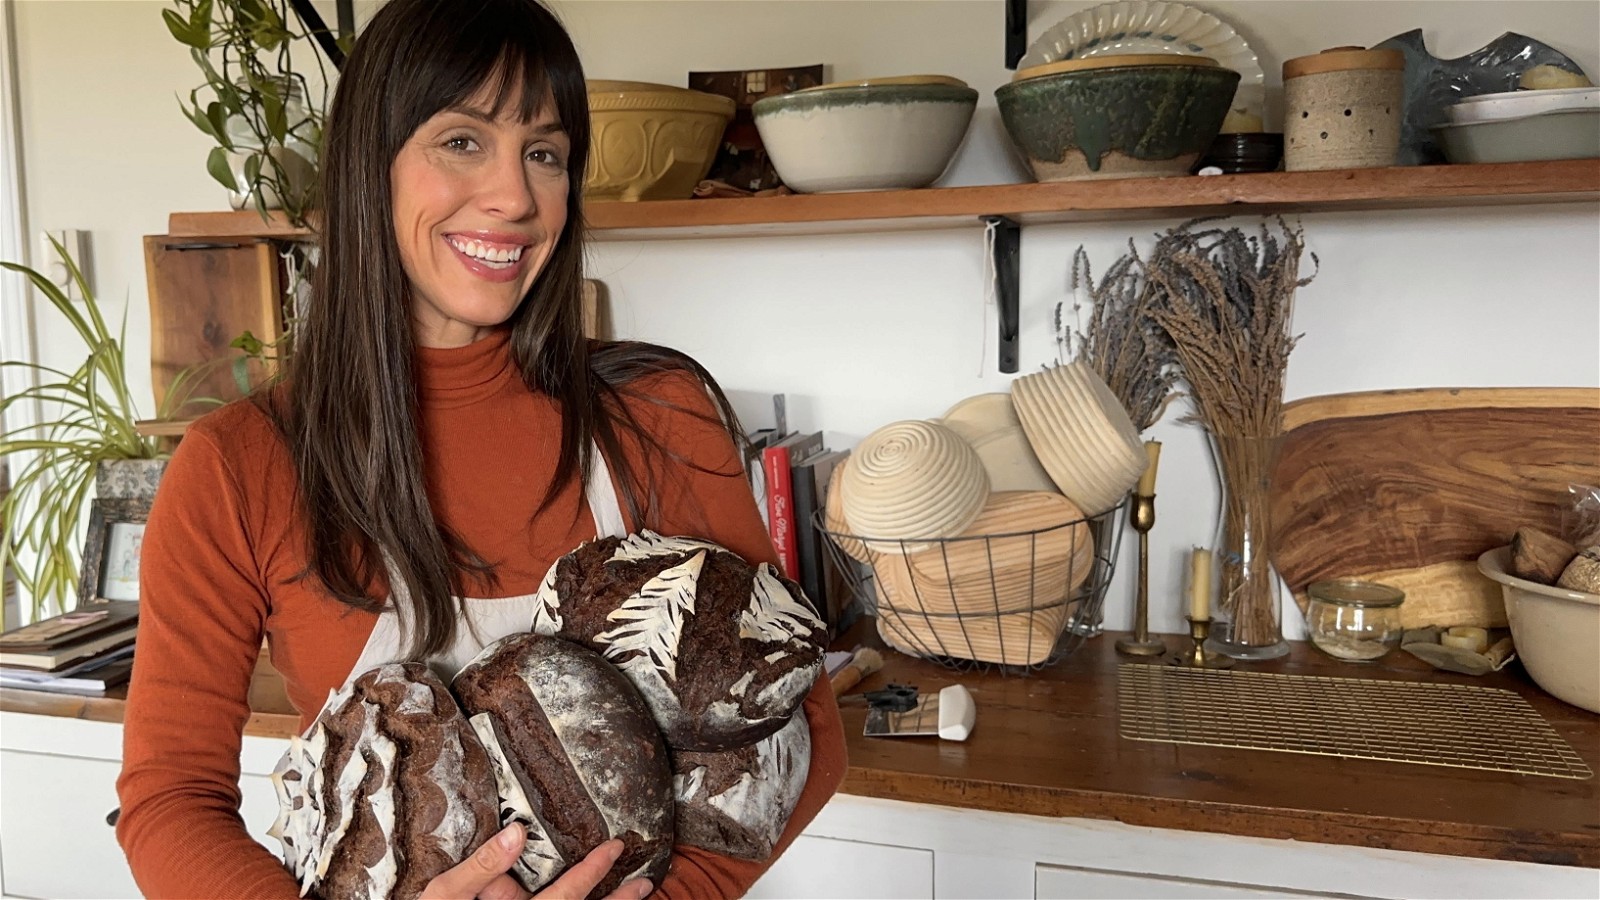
(1409, 487)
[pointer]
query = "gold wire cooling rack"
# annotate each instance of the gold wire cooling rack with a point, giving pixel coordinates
(1460, 726)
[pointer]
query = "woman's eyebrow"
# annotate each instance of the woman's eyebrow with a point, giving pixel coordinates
(473, 112)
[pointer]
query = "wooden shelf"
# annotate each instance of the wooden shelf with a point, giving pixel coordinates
(162, 427)
(1413, 187)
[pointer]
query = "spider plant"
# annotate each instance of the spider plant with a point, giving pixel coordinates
(89, 418)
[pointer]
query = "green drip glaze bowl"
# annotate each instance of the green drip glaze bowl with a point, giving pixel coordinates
(873, 137)
(1116, 122)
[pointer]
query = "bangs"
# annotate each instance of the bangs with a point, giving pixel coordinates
(512, 53)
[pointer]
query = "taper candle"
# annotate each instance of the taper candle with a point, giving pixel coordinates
(1200, 584)
(1147, 481)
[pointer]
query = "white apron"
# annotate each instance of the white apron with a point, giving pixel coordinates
(487, 620)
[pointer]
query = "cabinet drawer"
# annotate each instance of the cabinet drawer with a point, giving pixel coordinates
(56, 840)
(1050, 882)
(828, 868)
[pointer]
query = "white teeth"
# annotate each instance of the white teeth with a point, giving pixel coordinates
(503, 256)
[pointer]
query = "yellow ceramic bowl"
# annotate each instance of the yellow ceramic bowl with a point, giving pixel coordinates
(651, 141)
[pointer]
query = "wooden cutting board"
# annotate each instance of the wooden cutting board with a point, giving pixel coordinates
(1409, 487)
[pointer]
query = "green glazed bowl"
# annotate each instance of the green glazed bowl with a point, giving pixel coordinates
(1118, 122)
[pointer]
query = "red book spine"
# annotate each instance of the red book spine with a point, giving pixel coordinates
(780, 509)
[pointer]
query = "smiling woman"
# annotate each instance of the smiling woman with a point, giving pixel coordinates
(442, 435)
(480, 199)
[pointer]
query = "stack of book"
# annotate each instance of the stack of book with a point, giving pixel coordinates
(795, 470)
(86, 651)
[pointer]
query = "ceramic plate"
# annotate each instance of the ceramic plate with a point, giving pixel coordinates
(1155, 27)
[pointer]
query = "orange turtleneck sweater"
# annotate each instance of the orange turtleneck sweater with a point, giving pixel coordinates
(223, 547)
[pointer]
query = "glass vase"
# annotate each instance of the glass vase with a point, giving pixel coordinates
(1247, 613)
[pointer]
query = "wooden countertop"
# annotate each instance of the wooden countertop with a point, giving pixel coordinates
(1048, 744)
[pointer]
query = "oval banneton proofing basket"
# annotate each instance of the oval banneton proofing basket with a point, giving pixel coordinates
(1022, 587)
(865, 137)
(989, 423)
(1556, 632)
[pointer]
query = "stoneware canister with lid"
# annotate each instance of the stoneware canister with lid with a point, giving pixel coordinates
(1342, 109)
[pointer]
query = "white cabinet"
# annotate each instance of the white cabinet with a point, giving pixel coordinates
(58, 783)
(819, 868)
(53, 819)
(1066, 883)
(58, 780)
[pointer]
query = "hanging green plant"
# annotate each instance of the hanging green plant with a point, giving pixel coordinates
(89, 419)
(254, 103)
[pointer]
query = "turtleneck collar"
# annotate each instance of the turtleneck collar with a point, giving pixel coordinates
(456, 376)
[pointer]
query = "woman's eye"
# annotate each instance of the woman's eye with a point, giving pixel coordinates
(461, 144)
(546, 157)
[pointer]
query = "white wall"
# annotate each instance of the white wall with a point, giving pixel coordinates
(862, 330)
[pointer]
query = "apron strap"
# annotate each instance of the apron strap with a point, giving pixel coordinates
(601, 493)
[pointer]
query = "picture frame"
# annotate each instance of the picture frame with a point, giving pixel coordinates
(112, 549)
(742, 159)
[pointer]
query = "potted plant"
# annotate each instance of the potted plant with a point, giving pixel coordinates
(260, 111)
(88, 432)
(267, 123)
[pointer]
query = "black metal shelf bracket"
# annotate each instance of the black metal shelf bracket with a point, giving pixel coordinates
(1007, 249)
(1016, 31)
(312, 20)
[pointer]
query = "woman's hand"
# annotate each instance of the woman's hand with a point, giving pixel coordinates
(484, 875)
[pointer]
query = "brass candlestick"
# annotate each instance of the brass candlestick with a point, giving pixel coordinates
(1199, 630)
(1142, 516)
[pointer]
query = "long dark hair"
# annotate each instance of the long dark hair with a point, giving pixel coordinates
(350, 417)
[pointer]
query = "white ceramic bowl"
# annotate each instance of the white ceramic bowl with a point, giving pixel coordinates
(1516, 104)
(1570, 134)
(1556, 630)
(864, 137)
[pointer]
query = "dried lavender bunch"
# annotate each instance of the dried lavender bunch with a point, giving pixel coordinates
(1122, 342)
(1226, 299)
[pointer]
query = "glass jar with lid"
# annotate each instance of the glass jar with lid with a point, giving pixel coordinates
(1352, 620)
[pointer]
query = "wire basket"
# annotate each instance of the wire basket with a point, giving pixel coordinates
(1016, 601)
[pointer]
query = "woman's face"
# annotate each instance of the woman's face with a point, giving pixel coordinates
(479, 203)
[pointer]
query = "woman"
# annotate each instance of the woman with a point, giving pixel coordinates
(442, 432)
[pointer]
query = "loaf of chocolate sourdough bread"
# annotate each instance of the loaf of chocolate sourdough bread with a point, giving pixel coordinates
(577, 757)
(723, 651)
(737, 802)
(388, 788)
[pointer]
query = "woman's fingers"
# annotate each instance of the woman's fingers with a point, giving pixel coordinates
(483, 874)
(578, 881)
(503, 888)
(478, 872)
(637, 889)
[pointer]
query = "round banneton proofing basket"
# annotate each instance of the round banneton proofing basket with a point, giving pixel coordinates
(1081, 434)
(1021, 587)
(910, 480)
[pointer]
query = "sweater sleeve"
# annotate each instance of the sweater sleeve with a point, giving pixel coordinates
(712, 499)
(200, 627)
